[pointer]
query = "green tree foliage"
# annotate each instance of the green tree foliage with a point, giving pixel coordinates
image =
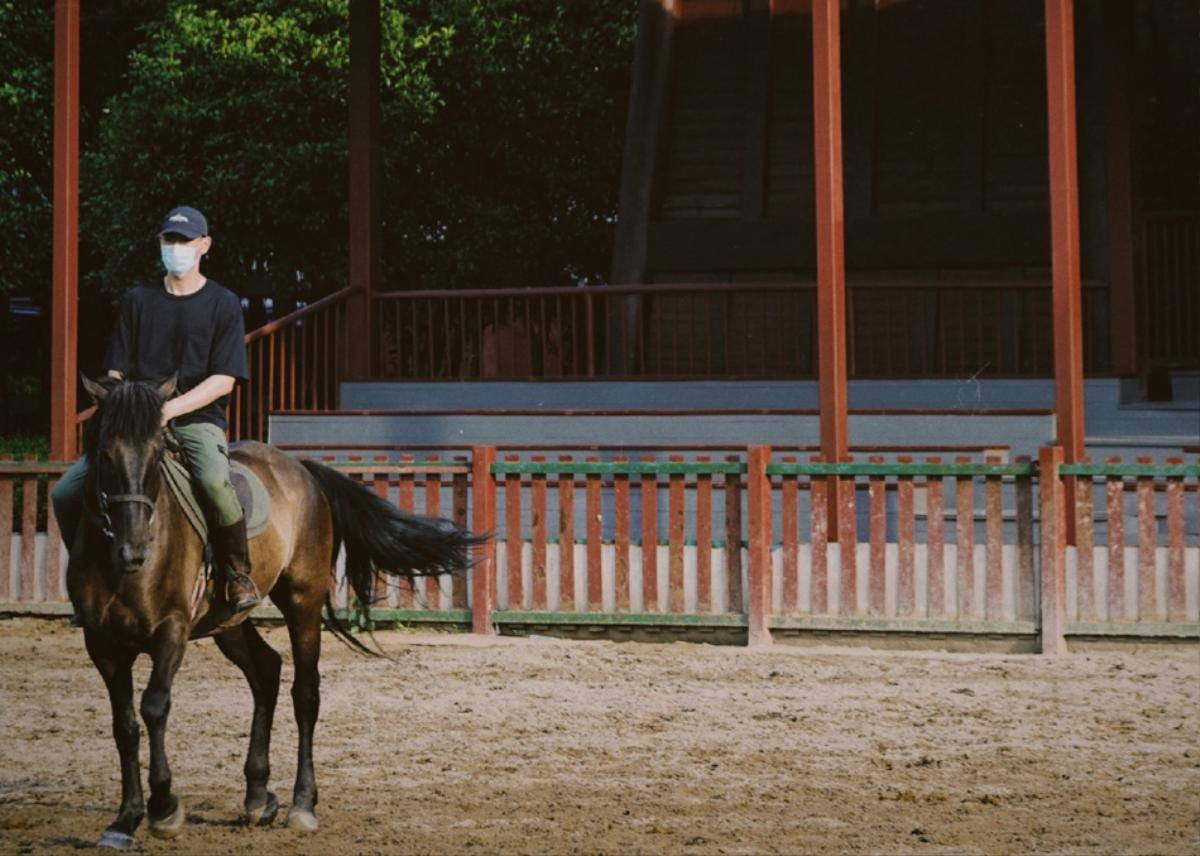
(502, 126)
(26, 111)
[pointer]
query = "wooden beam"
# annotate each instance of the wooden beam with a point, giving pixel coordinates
(1118, 183)
(1064, 238)
(939, 239)
(64, 314)
(648, 104)
(756, 65)
(365, 184)
(831, 271)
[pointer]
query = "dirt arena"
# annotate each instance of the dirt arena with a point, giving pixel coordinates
(539, 746)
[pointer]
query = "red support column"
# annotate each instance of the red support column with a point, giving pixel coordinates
(831, 273)
(483, 521)
(364, 184)
(64, 314)
(1064, 236)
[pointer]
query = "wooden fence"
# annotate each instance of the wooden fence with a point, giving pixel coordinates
(751, 542)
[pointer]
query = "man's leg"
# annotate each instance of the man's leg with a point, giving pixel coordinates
(67, 498)
(207, 453)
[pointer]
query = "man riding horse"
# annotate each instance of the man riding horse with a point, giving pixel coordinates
(189, 326)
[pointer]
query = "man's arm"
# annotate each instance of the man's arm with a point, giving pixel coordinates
(198, 396)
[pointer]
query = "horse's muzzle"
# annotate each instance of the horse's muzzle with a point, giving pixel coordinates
(130, 559)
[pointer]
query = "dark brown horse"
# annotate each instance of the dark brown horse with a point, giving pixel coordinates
(136, 560)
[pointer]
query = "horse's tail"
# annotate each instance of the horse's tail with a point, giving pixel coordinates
(382, 539)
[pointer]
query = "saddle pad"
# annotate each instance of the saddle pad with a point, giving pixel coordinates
(251, 493)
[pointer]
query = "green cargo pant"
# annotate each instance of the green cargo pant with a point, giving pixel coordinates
(206, 452)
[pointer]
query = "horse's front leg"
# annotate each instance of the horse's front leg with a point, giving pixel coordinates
(116, 668)
(170, 641)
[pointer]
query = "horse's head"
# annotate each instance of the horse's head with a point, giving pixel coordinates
(124, 447)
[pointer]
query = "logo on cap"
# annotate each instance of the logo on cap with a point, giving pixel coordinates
(178, 218)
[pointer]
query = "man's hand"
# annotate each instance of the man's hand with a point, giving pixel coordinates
(207, 392)
(169, 411)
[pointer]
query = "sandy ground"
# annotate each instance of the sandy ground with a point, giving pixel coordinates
(463, 746)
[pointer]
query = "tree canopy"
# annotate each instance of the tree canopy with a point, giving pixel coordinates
(502, 127)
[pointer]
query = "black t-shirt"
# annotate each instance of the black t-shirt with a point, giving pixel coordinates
(197, 335)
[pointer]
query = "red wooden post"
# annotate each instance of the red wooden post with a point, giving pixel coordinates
(566, 538)
(1147, 527)
(994, 526)
(1025, 586)
(847, 526)
(64, 315)
(877, 536)
(831, 274)
(406, 499)
(458, 497)
(513, 537)
(791, 538)
(819, 541)
(1085, 542)
(1176, 601)
(1054, 548)
(1064, 237)
(29, 504)
(935, 540)
(964, 528)
(365, 172)
(433, 507)
(733, 537)
(704, 530)
(906, 575)
(649, 539)
(595, 529)
(621, 527)
(1115, 496)
(538, 497)
(483, 520)
(380, 484)
(56, 565)
(758, 573)
(675, 538)
(6, 531)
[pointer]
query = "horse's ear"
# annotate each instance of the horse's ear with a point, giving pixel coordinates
(167, 388)
(95, 390)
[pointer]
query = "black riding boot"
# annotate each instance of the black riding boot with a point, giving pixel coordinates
(233, 559)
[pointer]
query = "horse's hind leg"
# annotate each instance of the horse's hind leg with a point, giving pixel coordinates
(306, 699)
(115, 667)
(260, 664)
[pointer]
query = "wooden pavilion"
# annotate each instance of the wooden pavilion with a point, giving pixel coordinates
(906, 175)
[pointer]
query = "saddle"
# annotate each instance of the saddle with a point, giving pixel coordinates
(256, 505)
(251, 493)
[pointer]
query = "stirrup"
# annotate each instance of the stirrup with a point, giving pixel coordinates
(248, 596)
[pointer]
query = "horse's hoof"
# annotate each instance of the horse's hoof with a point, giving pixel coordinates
(263, 815)
(169, 826)
(304, 821)
(114, 840)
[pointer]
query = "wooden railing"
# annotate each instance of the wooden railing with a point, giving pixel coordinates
(717, 330)
(742, 542)
(295, 363)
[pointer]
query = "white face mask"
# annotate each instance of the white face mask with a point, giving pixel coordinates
(178, 259)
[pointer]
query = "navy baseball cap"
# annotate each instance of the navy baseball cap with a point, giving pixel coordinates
(184, 221)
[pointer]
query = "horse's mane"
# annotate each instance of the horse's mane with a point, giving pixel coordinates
(132, 411)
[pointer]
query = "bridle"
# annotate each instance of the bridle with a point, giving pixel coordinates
(105, 501)
(117, 498)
